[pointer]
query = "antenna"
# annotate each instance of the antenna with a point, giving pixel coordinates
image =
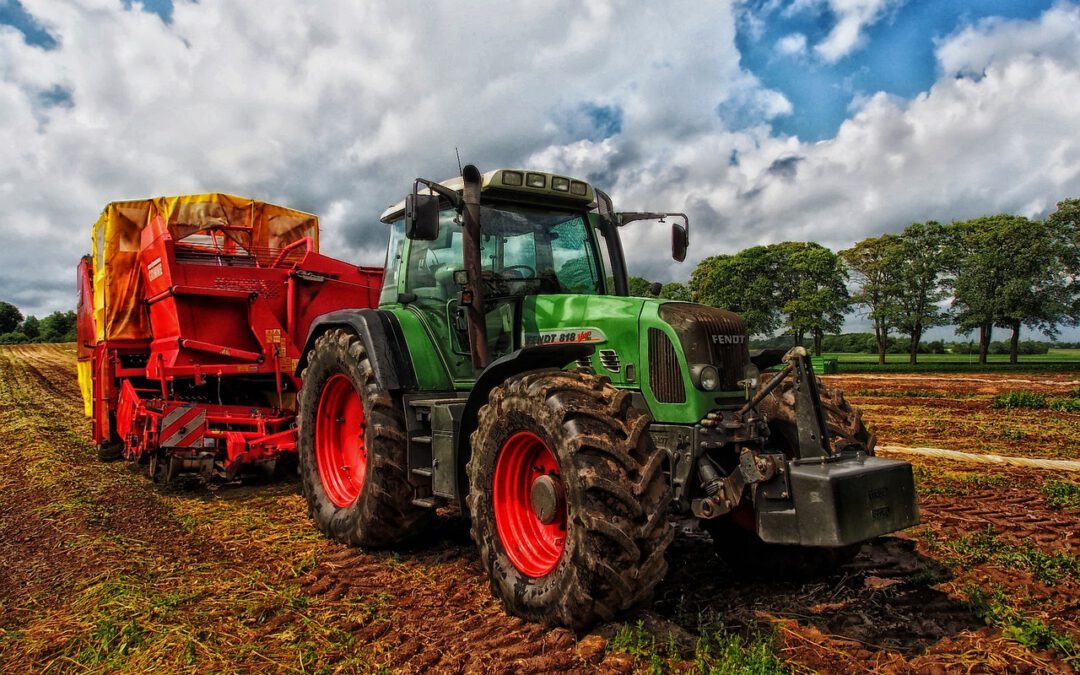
(458, 154)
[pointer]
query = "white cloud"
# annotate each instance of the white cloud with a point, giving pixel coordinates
(336, 107)
(852, 18)
(1003, 141)
(1055, 36)
(332, 107)
(793, 44)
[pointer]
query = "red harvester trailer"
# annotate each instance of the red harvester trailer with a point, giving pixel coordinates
(192, 314)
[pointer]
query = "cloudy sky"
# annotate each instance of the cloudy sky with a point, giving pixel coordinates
(767, 121)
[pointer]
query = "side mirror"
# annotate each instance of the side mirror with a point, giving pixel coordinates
(422, 217)
(680, 241)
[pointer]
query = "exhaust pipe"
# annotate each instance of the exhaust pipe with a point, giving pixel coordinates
(474, 289)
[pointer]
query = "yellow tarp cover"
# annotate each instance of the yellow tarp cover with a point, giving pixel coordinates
(86, 385)
(119, 310)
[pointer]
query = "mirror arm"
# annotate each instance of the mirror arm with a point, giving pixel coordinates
(450, 195)
(629, 217)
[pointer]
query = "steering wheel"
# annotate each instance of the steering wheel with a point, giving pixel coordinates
(531, 272)
(495, 284)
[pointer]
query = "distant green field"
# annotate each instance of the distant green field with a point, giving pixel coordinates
(1056, 359)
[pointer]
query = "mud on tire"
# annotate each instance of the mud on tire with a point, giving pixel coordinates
(382, 514)
(616, 497)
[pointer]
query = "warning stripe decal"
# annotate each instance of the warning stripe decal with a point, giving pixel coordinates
(182, 427)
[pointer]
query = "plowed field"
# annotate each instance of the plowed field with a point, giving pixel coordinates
(100, 570)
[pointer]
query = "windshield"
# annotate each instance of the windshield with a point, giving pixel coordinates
(523, 250)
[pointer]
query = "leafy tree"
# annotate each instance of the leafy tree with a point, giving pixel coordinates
(813, 287)
(676, 291)
(58, 327)
(919, 262)
(1065, 228)
(871, 263)
(794, 285)
(10, 317)
(1036, 291)
(639, 287)
(31, 328)
(980, 261)
(745, 283)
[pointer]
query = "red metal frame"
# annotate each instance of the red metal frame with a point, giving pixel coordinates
(221, 320)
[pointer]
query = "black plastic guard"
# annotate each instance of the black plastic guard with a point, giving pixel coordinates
(383, 339)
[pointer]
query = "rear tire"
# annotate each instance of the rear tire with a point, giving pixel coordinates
(603, 549)
(354, 421)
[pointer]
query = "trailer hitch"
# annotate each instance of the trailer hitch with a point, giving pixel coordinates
(723, 494)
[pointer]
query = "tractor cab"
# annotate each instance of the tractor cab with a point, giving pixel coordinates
(541, 235)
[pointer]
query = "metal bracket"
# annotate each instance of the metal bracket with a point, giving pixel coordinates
(813, 434)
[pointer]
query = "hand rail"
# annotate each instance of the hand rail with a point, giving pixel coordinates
(306, 241)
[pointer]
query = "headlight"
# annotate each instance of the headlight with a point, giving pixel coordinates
(705, 377)
(753, 375)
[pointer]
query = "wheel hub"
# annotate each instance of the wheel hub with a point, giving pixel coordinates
(547, 499)
(528, 498)
(340, 451)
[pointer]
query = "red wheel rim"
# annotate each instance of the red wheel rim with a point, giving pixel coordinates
(340, 453)
(533, 546)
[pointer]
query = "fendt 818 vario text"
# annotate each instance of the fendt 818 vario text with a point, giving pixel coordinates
(504, 371)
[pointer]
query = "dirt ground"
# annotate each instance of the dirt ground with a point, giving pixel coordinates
(103, 571)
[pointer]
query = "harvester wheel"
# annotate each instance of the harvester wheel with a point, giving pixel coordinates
(568, 498)
(351, 446)
(843, 420)
(110, 452)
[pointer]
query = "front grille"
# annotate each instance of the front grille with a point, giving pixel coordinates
(609, 359)
(665, 375)
(711, 335)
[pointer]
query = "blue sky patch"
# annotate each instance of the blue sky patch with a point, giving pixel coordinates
(162, 8)
(13, 14)
(897, 56)
(591, 121)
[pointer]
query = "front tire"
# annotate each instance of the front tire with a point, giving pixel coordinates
(735, 534)
(743, 550)
(568, 498)
(351, 444)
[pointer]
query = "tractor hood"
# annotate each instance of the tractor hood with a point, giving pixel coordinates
(647, 344)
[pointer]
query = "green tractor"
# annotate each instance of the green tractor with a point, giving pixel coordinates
(508, 374)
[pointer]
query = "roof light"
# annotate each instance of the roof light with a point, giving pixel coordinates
(578, 188)
(512, 178)
(559, 183)
(536, 180)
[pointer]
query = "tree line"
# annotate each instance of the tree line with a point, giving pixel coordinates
(1002, 271)
(15, 329)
